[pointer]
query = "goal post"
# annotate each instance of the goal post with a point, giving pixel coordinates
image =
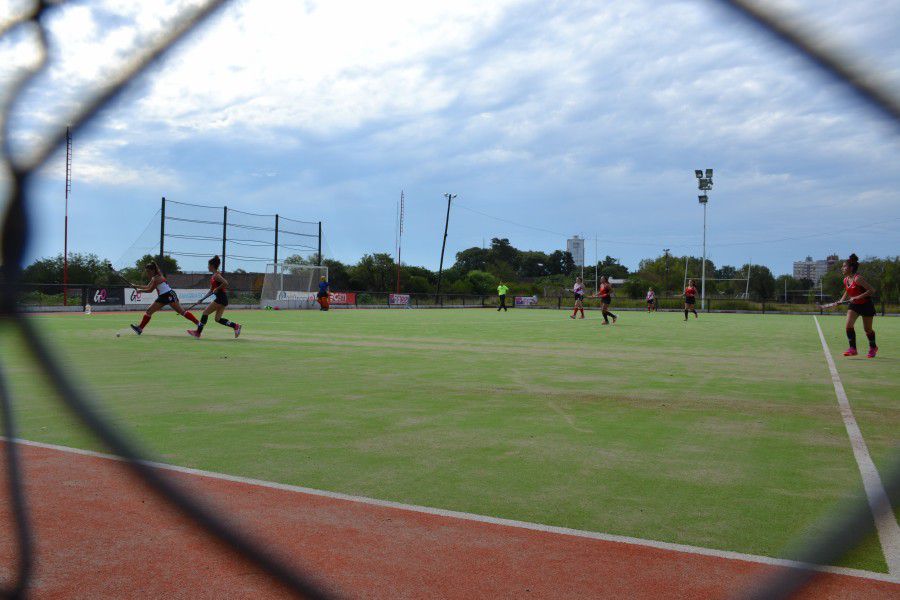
(289, 285)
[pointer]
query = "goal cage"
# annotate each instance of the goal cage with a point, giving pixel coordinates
(288, 285)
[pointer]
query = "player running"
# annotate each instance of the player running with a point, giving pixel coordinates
(605, 293)
(651, 300)
(859, 292)
(690, 299)
(165, 295)
(218, 288)
(578, 290)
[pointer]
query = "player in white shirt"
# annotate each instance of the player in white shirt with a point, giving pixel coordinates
(651, 300)
(578, 290)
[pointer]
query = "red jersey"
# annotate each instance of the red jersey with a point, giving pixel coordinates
(213, 284)
(854, 289)
(605, 290)
(690, 291)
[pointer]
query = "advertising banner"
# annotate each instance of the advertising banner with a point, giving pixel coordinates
(399, 300)
(100, 296)
(186, 296)
(339, 298)
(526, 300)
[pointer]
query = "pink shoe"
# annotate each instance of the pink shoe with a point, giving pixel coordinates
(237, 331)
(194, 333)
(872, 352)
(850, 352)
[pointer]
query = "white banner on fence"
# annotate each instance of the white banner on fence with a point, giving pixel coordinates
(185, 295)
(399, 299)
(526, 301)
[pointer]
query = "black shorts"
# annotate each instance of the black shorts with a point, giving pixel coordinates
(605, 299)
(690, 300)
(221, 298)
(866, 309)
(579, 297)
(167, 298)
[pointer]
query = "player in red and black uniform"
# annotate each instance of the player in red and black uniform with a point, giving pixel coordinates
(605, 292)
(690, 299)
(218, 288)
(165, 295)
(859, 292)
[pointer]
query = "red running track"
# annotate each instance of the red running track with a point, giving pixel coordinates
(100, 534)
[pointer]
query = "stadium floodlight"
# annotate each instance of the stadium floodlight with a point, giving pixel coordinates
(705, 184)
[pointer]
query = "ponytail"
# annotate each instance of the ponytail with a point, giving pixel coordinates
(215, 261)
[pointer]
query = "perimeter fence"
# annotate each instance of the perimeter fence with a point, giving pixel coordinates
(844, 531)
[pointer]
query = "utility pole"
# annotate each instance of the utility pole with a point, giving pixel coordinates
(596, 268)
(449, 198)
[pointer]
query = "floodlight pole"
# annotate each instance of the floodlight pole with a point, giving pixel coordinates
(703, 268)
(66, 226)
(449, 198)
(666, 251)
(705, 184)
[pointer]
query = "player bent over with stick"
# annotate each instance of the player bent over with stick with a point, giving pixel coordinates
(218, 288)
(165, 295)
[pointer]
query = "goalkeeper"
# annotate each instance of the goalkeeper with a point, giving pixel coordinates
(323, 296)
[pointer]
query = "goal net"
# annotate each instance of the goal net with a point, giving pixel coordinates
(289, 285)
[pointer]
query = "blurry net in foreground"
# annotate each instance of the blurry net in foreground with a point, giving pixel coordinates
(845, 529)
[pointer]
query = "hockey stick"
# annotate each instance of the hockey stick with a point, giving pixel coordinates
(200, 301)
(117, 274)
(832, 304)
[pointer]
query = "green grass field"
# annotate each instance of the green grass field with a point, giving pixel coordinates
(722, 432)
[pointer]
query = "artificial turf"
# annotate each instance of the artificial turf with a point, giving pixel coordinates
(721, 432)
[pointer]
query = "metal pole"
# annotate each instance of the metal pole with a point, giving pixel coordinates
(666, 250)
(703, 270)
(319, 257)
(276, 239)
(66, 226)
(224, 235)
(450, 198)
(596, 268)
(162, 230)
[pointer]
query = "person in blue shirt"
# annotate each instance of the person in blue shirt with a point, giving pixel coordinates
(322, 297)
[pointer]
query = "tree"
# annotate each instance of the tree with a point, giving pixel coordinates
(762, 282)
(472, 259)
(560, 262)
(610, 267)
(166, 264)
(481, 282)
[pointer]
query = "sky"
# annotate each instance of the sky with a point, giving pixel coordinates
(545, 119)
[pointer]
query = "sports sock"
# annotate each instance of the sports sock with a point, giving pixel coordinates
(144, 321)
(203, 320)
(582, 311)
(871, 336)
(685, 313)
(227, 323)
(851, 337)
(613, 316)
(605, 316)
(191, 318)
(575, 312)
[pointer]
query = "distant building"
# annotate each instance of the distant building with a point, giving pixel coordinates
(813, 270)
(575, 247)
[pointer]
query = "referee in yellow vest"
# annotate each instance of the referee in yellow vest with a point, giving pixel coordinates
(501, 291)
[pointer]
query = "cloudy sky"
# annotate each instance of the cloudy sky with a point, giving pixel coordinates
(547, 119)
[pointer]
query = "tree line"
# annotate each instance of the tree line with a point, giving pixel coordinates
(479, 270)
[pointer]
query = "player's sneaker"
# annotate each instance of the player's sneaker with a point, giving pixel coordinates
(136, 329)
(615, 319)
(873, 350)
(605, 323)
(571, 316)
(237, 330)
(850, 352)
(194, 333)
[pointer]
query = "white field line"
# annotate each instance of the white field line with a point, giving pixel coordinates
(879, 502)
(452, 514)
